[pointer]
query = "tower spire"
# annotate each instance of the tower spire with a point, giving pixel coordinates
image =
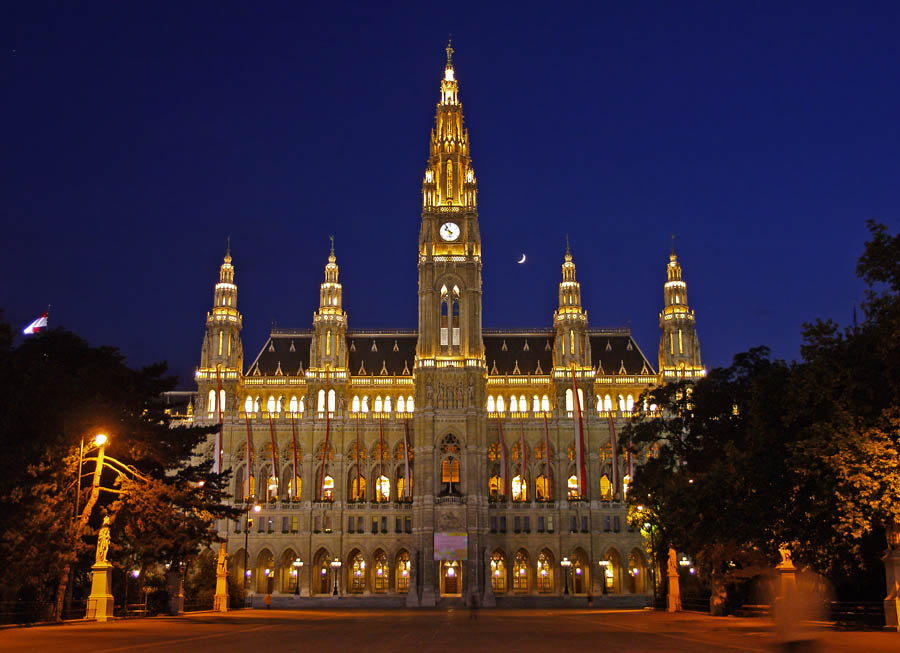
(450, 51)
(330, 321)
(679, 347)
(570, 319)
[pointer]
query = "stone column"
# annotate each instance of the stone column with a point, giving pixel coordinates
(100, 602)
(892, 579)
(490, 601)
(673, 602)
(220, 602)
(412, 595)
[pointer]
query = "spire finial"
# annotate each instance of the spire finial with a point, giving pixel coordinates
(228, 249)
(450, 51)
(331, 237)
(568, 251)
(673, 244)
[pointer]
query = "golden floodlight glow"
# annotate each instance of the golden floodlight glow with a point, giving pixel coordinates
(100, 439)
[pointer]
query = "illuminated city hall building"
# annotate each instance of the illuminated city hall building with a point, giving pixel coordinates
(441, 462)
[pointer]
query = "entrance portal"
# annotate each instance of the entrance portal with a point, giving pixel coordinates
(451, 578)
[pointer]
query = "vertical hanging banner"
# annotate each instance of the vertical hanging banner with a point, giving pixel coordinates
(406, 488)
(547, 458)
(249, 456)
(217, 461)
(294, 493)
(579, 437)
(502, 458)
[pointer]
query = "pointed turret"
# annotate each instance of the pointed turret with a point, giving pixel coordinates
(570, 320)
(328, 349)
(222, 354)
(679, 347)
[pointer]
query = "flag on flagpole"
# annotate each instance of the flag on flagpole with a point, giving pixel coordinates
(406, 488)
(615, 455)
(37, 325)
(275, 473)
(502, 458)
(524, 454)
(217, 459)
(325, 446)
(579, 437)
(249, 455)
(547, 458)
(295, 493)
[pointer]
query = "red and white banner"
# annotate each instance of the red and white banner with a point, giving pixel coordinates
(502, 458)
(36, 326)
(579, 437)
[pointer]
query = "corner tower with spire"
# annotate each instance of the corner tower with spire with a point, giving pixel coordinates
(570, 321)
(328, 349)
(222, 355)
(679, 347)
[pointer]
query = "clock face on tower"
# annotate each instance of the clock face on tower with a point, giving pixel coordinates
(449, 231)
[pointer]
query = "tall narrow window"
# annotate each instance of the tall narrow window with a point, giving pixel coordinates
(401, 405)
(354, 407)
(545, 404)
(211, 403)
(445, 318)
(501, 406)
(222, 403)
(571, 341)
(570, 403)
(331, 397)
(220, 343)
(455, 321)
(490, 404)
(671, 343)
(513, 404)
(387, 404)
(328, 343)
(535, 404)
(377, 404)
(449, 178)
(320, 405)
(230, 340)
(680, 343)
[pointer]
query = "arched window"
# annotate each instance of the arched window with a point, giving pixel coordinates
(248, 404)
(599, 403)
(513, 404)
(365, 404)
(544, 573)
(377, 404)
(580, 399)
(605, 488)
(320, 405)
(450, 452)
(520, 572)
(494, 487)
(490, 404)
(293, 406)
(239, 485)
(629, 403)
(542, 488)
(331, 397)
(357, 574)
(401, 404)
(382, 489)
(498, 572)
(301, 404)
(402, 493)
(410, 406)
(501, 406)
(257, 403)
(573, 487)
(536, 404)
(354, 406)
(387, 404)
(523, 405)
(607, 403)
(519, 488)
(279, 404)
(570, 404)
(270, 404)
(295, 486)
(621, 403)
(382, 573)
(357, 486)
(626, 481)
(211, 403)
(328, 488)
(402, 567)
(545, 404)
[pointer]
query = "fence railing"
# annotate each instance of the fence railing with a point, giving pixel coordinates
(29, 612)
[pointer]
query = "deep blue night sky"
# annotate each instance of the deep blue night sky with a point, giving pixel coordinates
(137, 136)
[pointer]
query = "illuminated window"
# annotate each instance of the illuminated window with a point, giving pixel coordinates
(607, 403)
(680, 343)
(450, 470)
(621, 401)
(365, 404)
(626, 481)
(354, 406)
(542, 488)
(382, 489)
(402, 568)
(270, 404)
(570, 404)
(519, 488)
(328, 488)
(320, 405)
(629, 403)
(279, 404)
(302, 401)
(501, 406)
(220, 343)
(571, 341)
(545, 404)
(377, 404)
(495, 487)
(248, 405)
(402, 492)
(498, 573)
(328, 343)
(293, 405)
(671, 343)
(580, 399)
(401, 405)
(490, 404)
(410, 406)
(357, 574)
(535, 404)
(544, 573)
(230, 340)
(573, 487)
(387, 404)
(605, 488)
(520, 572)
(331, 397)
(295, 486)
(357, 487)
(211, 403)
(513, 404)
(382, 573)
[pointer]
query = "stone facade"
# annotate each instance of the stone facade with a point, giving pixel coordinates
(448, 442)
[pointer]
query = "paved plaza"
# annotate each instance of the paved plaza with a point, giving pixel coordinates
(428, 630)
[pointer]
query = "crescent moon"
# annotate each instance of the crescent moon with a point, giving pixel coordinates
(523, 259)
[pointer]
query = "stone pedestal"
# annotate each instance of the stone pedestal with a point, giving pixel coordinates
(787, 575)
(100, 602)
(220, 601)
(175, 586)
(892, 600)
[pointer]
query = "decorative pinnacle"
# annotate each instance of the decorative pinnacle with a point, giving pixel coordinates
(331, 237)
(228, 249)
(568, 251)
(673, 244)
(450, 51)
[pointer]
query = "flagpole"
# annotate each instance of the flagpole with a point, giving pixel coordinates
(380, 458)
(249, 454)
(274, 457)
(406, 488)
(325, 450)
(547, 458)
(502, 455)
(296, 493)
(579, 436)
(218, 457)
(357, 454)
(524, 456)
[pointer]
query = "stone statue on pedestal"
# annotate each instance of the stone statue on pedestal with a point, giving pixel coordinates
(103, 541)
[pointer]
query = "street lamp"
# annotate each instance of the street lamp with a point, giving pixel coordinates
(256, 508)
(566, 563)
(99, 441)
(298, 565)
(336, 565)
